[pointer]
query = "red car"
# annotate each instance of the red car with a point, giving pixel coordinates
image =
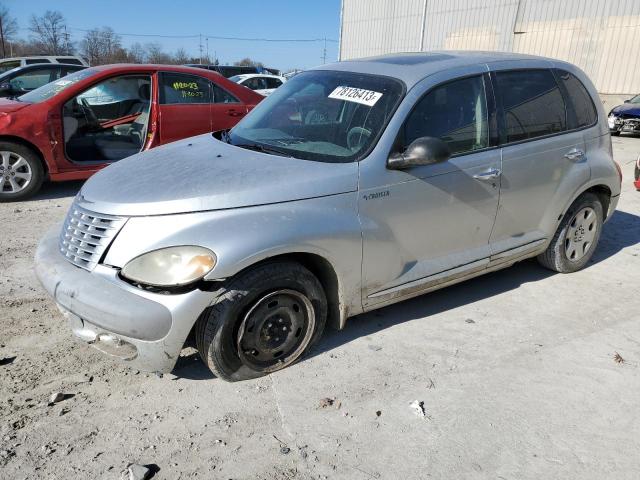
(74, 126)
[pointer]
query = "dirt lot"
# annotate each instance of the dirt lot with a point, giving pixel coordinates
(517, 371)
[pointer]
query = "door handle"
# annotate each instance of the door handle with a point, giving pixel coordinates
(234, 113)
(574, 154)
(488, 175)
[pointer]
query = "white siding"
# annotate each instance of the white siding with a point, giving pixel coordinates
(600, 36)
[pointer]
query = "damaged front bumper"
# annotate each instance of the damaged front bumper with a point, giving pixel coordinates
(145, 329)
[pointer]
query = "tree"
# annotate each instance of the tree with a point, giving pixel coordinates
(181, 57)
(8, 28)
(136, 53)
(102, 45)
(247, 62)
(50, 32)
(155, 54)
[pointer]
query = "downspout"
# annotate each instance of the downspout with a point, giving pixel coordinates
(424, 26)
(341, 28)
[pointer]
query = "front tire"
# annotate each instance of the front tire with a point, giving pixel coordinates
(21, 172)
(615, 133)
(577, 236)
(263, 320)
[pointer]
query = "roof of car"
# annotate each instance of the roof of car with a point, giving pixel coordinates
(413, 67)
(244, 76)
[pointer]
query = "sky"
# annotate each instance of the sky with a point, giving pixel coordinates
(278, 19)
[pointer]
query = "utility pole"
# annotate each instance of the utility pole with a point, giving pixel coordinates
(4, 54)
(200, 46)
(324, 51)
(208, 59)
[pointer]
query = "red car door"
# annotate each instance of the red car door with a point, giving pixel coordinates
(226, 109)
(184, 106)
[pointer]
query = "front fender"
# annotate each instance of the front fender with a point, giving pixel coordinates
(326, 226)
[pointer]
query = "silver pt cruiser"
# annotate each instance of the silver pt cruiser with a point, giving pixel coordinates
(353, 186)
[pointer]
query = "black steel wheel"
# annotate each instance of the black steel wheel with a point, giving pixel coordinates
(262, 321)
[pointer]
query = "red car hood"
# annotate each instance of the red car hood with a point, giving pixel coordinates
(8, 106)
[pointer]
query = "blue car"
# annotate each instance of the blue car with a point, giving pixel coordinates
(625, 117)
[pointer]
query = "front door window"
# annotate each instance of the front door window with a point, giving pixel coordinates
(108, 121)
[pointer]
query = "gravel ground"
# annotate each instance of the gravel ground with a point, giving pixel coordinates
(517, 372)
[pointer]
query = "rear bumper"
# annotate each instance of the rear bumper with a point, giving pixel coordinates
(636, 184)
(145, 329)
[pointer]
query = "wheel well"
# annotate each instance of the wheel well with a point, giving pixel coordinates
(325, 273)
(604, 194)
(29, 145)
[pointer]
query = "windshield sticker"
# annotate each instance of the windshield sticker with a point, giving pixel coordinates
(357, 95)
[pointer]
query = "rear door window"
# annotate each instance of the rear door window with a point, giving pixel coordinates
(584, 111)
(178, 88)
(532, 103)
(455, 112)
(220, 95)
(273, 82)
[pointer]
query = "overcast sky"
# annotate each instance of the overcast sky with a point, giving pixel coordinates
(278, 19)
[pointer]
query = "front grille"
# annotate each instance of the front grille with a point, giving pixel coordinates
(86, 235)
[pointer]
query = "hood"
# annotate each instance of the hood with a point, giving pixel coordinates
(628, 109)
(8, 106)
(202, 173)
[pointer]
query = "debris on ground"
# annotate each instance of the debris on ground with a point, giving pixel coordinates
(618, 358)
(418, 408)
(139, 472)
(378, 413)
(7, 360)
(284, 450)
(375, 348)
(56, 397)
(326, 402)
(470, 320)
(430, 384)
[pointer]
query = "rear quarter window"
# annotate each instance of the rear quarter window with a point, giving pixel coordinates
(585, 113)
(532, 102)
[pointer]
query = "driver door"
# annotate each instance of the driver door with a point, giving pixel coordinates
(108, 121)
(425, 224)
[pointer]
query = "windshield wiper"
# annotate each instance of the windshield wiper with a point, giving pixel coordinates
(264, 149)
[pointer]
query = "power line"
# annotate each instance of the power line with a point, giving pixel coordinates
(217, 37)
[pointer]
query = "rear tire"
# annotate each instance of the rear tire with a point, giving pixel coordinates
(21, 172)
(577, 236)
(615, 133)
(262, 321)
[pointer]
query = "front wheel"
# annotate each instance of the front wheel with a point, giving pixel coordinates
(577, 236)
(21, 172)
(263, 320)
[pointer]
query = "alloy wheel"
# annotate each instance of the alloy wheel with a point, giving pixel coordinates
(15, 173)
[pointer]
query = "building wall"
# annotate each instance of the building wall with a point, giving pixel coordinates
(600, 36)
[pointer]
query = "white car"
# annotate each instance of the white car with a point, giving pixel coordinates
(15, 62)
(261, 83)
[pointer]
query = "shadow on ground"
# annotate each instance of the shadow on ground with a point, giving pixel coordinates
(55, 190)
(621, 231)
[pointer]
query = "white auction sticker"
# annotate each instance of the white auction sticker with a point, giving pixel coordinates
(358, 95)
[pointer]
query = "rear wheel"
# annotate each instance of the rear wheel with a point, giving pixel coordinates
(264, 320)
(21, 172)
(577, 236)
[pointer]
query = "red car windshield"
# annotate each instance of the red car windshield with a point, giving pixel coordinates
(49, 90)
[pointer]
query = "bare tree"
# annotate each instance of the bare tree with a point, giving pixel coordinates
(248, 62)
(155, 54)
(8, 28)
(181, 57)
(136, 53)
(102, 45)
(50, 32)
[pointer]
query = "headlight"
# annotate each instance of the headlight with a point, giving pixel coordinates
(172, 266)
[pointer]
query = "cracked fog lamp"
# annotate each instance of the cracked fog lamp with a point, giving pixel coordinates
(170, 267)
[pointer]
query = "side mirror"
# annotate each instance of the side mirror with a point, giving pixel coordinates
(5, 88)
(422, 151)
(627, 100)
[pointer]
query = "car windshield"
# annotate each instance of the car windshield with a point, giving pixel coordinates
(326, 116)
(47, 91)
(635, 99)
(236, 78)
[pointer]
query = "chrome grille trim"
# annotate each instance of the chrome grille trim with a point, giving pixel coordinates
(86, 235)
